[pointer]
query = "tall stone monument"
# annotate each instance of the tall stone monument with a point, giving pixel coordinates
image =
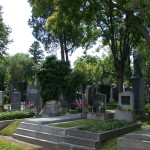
(89, 93)
(1, 98)
(138, 86)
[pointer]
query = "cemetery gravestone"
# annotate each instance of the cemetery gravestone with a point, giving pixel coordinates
(33, 94)
(15, 101)
(89, 95)
(1, 101)
(52, 108)
(23, 90)
(138, 86)
(1, 98)
(99, 103)
(125, 110)
(111, 99)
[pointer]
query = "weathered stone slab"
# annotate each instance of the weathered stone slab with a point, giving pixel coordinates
(42, 121)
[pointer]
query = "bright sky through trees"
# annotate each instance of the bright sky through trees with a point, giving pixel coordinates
(16, 14)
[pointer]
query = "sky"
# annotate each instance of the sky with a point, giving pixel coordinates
(16, 14)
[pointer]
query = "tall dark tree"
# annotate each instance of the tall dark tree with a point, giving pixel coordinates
(36, 52)
(116, 28)
(67, 36)
(4, 35)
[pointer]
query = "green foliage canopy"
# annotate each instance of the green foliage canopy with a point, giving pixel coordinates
(36, 52)
(21, 69)
(53, 77)
(4, 35)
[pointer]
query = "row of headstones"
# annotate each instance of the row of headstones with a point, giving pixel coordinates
(114, 94)
(15, 97)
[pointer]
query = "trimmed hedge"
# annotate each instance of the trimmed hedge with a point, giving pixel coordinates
(107, 125)
(15, 115)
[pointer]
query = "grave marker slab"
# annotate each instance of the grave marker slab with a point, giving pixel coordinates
(126, 110)
(1, 98)
(99, 102)
(33, 94)
(15, 101)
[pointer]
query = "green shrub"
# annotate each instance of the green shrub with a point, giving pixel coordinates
(147, 109)
(15, 115)
(5, 99)
(110, 124)
(53, 77)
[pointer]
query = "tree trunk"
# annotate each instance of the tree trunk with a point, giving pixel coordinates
(65, 47)
(129, 13)
(62, 50)
(120, 83)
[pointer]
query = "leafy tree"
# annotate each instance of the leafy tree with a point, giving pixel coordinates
(139, 13)
(36, 52)
(21, 69)
(4, 74)
(91, 67)
(69, 36)
(4, 35)
(116, 28)
(109, 67)
(145, 66)
(53, 77)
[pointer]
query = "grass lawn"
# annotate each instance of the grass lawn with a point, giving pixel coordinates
(11, 128)
(75, 123)
(109, 144)
(9, 146)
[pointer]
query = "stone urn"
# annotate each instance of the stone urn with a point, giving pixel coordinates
(52, 108)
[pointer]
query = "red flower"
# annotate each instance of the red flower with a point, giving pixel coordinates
(86, 105)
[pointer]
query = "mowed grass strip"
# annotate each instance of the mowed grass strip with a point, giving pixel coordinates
(11, 128)
(9, 146)
(75, 123)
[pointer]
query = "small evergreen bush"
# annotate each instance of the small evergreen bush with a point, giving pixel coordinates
(15, 115)
(110, 124)
(5, 99)
(147, 109)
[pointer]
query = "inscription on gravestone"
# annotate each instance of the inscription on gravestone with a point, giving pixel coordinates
(125, 100)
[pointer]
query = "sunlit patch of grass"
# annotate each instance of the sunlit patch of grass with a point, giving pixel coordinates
(11, 128)
(9, 146)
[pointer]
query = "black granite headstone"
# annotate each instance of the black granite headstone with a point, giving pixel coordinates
(15, 101)
(33, 94)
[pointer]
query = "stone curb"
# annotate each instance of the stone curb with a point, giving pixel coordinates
(5, 123)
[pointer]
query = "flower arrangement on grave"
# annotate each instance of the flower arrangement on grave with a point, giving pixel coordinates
(88, 107)
(124, 109)
(31, 104)
(79, 104)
